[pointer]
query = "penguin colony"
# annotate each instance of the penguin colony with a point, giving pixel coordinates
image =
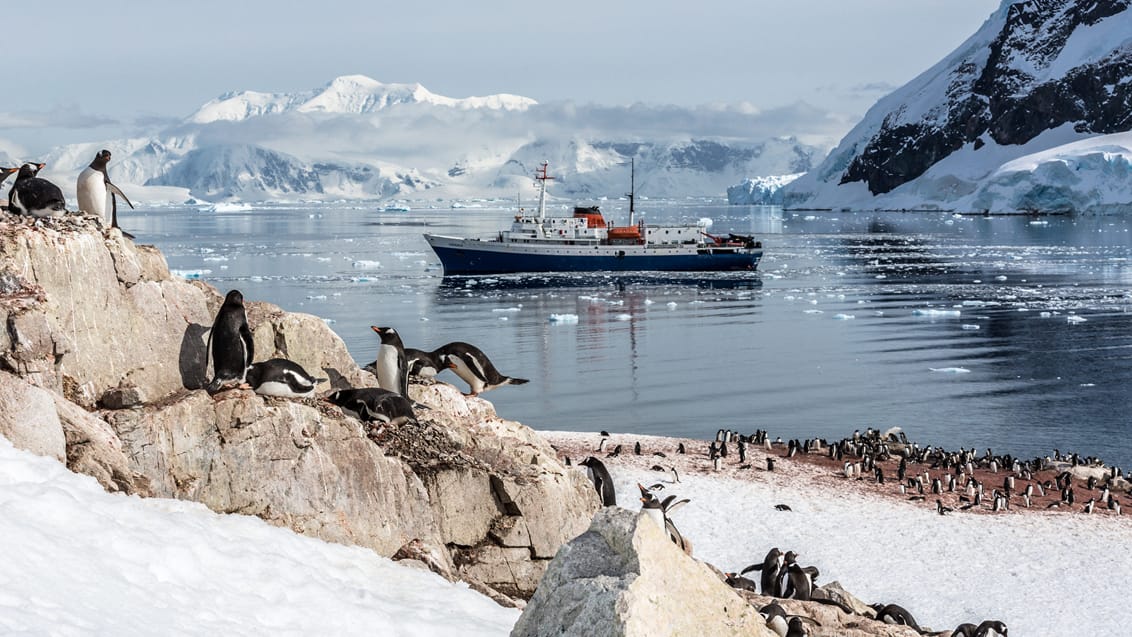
(231, 349)
(949, 481)
(36, 198)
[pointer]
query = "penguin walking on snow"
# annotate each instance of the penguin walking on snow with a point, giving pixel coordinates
(373, 404)
(281, 377)
(474, 367)
(94, 188)
(391, 366)
(34, 196)
(230, 342)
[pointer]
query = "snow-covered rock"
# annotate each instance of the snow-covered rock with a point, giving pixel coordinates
(1041, 79)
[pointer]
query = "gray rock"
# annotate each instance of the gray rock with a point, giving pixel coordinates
(624, 577)
(28, 419)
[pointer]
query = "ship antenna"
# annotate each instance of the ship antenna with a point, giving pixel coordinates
(542, 177)
(632, 187)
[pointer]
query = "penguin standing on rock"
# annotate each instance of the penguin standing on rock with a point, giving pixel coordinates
(474, 367)
(94, 188)
(391, 366)
(230, 342)
(602, 481)
(35, 196)
(281, 377)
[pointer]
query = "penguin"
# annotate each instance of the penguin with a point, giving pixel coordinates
(659, 511)
(7, 172)
(373, 404)
(422, 364)
(775, 616)
(795, 628)
(474, 367)
(801, 582)
(893, 614)
(281, 377)
(734, 580)
(940, 509)
(603, 482)
(770, 464)
(680, 449)
(35, 196)
(675, 475)
(94, 188)
(392, 370)
(230, 342)
(982, 630)
(769, 568)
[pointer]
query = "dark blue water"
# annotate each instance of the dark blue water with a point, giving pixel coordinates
(1005, 332)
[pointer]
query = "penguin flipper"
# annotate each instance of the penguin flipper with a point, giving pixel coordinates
(752, 567)
(517, 381)
(114, 190)
(249, 344)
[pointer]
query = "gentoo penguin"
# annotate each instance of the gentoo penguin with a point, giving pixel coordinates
(373, 404)
(422, 364)
(230, 342)
(391, 366)
(795, 628)
(735, 580)
(893, 614)
(800, 581)
(769, 568)
(474, 367)
(603, 482)
(776, 618)
(281, 377)
(94, 188)
(7, 172)
(659, 511)
(35, 196)
(982, 630)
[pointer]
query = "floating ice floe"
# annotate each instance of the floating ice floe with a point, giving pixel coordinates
(329, 321)
(563, 318)
(362, 279)
(624, 317)
(969, 326)
(950, 370)
(362, 264)
(190, 274)
(316, 297)
(229, 207)
(844, 317)
(935, 313)
(813, 311)
(649, 301)
(507, 309)
(1001, 277)
(672, 305)
(1073, 318)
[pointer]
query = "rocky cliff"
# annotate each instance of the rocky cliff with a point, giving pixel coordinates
(101, 363)
(1038, 75)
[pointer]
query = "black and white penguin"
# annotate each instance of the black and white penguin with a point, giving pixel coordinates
(230, 342)
(391, 366)
(660, 510)
(35, 196)
(423, 364)
(982, 630)
(769, 569)
(281, 377)
(474, 367)
(374, 404)
(893, 614)
(795, 628)
(735, 580)
(94, 189)
(7, 172)
(603, 482)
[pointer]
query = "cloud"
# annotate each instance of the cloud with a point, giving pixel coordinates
(64, 116)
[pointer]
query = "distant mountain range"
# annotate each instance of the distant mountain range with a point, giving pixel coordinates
(1031, 113)
(357, 138)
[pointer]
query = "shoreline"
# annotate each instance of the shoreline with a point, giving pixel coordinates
(816, 471)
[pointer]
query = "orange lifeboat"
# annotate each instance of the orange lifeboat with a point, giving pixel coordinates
(625, 233)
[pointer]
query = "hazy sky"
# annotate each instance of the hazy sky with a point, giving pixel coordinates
(80, 71)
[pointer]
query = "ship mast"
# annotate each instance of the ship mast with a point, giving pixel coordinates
(542, 177)
(632, 186)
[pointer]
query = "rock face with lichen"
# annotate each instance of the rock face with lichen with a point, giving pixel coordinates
(101, 365)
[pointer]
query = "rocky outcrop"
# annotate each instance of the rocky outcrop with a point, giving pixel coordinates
(1009, 92)
(624, 577)
(101, 365)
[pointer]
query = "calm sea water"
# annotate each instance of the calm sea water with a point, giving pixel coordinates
(1006, 332)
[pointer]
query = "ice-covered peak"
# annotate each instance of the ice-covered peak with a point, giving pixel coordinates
(347, 94)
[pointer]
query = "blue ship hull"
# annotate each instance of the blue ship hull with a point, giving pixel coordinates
(470, 260)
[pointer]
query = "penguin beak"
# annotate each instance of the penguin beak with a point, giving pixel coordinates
(375, 328)
(40, 166)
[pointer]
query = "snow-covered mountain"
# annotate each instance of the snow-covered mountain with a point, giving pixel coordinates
(357, 138)
(347, 94)
(760, 190)
(1039, 80)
